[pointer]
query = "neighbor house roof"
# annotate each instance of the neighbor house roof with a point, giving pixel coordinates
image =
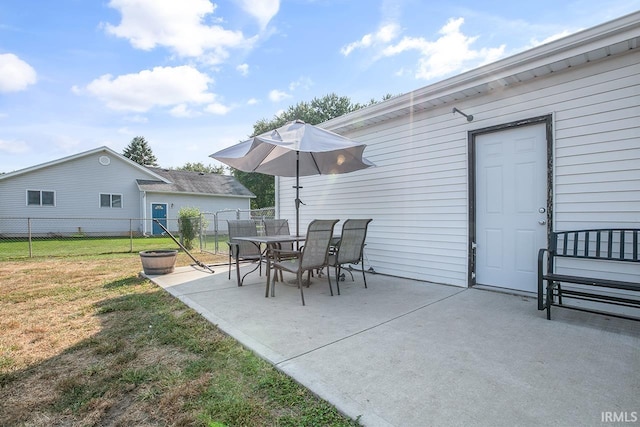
(104, 150)
(194, 183)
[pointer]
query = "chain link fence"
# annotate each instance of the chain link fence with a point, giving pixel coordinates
(215, 231)
(41, 237)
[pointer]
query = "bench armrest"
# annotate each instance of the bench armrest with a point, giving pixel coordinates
(541, 270)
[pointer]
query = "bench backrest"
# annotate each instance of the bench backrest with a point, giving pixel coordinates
(617, 244)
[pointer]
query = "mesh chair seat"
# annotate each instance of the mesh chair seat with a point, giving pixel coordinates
(350, 248)
(241, 250)
(313, 255)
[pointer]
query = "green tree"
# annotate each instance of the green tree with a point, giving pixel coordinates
(139, 151)
(317, 111)
(201, 167)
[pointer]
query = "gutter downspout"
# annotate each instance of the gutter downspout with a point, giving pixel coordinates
(144, 212)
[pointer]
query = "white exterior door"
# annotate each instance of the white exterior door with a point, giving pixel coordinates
(511, 203)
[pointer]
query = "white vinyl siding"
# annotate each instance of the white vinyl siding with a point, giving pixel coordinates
(418, 194)
(77, 184)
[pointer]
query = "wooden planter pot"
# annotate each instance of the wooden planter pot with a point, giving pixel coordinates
(158, 262)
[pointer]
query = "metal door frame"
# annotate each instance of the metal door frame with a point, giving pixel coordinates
(547, 120)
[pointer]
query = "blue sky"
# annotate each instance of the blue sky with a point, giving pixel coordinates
(193, 76)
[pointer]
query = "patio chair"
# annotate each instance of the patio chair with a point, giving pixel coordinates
(277, 227)
(350, 248)
(241, 250)
(313, 255)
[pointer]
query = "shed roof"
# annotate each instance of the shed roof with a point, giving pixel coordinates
(194, 183)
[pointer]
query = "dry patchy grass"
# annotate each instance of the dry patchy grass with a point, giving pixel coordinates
(85, 341)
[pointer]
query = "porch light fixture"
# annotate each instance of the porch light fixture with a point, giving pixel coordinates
(468, 116)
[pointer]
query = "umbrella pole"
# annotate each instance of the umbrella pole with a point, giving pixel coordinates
(297, 198)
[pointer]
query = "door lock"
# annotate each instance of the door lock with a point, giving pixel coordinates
(542, 210)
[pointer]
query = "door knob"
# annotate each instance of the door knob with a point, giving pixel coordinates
(542, 222)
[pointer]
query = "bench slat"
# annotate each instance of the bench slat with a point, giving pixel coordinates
(607, 283)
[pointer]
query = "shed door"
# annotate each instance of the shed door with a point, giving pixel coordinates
(511, 203)
(159, 212)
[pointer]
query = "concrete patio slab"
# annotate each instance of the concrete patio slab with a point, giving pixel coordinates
(409, 353)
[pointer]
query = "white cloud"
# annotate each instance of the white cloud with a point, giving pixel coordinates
(278, 95)
(243, 69)
(384, 35)
(137, 119)
(162, 86)
(217, 108)
(15, 74)
(13, 147)
(302, 82)
(262, 10)
(252, 101)
(450, 53)
(177, 25)
(551, 38)
(182, 110)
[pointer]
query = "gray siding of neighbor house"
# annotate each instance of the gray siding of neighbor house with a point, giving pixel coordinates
(204, 202)
(418, 196)
(77, 184)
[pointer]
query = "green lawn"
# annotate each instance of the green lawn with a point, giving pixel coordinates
(15, 249)
(85, 342)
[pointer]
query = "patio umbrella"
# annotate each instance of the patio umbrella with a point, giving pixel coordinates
(296, 149)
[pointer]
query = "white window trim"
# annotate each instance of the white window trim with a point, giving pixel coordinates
(55, 198)
(110, 201)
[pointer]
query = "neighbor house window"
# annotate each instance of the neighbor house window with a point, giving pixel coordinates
(41, 198)
(110, 200)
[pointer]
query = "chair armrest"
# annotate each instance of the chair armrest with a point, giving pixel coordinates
(286, 252)
(234, 248)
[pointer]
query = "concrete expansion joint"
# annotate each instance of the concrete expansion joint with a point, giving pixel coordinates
(368, 329)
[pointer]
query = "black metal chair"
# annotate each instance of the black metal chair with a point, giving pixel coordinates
(313, 255)
(350, 249)
(241, 250)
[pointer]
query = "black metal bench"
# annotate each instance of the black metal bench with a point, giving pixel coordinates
(595, 246)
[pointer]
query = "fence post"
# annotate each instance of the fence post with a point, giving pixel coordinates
(215, 230)
(200, 231)
(130, 235)
(29, 233)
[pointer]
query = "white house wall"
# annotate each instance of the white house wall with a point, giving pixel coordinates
(418, 194)
(78, 184)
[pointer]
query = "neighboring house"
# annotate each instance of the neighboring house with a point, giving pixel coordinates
(554, 144)
(107, 193)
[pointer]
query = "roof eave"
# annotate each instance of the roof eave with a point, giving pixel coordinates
(574, 50)
(80, 155)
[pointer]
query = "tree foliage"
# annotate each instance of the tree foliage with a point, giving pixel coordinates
(140, 152)
(317, 111)
(201, 167)
(190, 225)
